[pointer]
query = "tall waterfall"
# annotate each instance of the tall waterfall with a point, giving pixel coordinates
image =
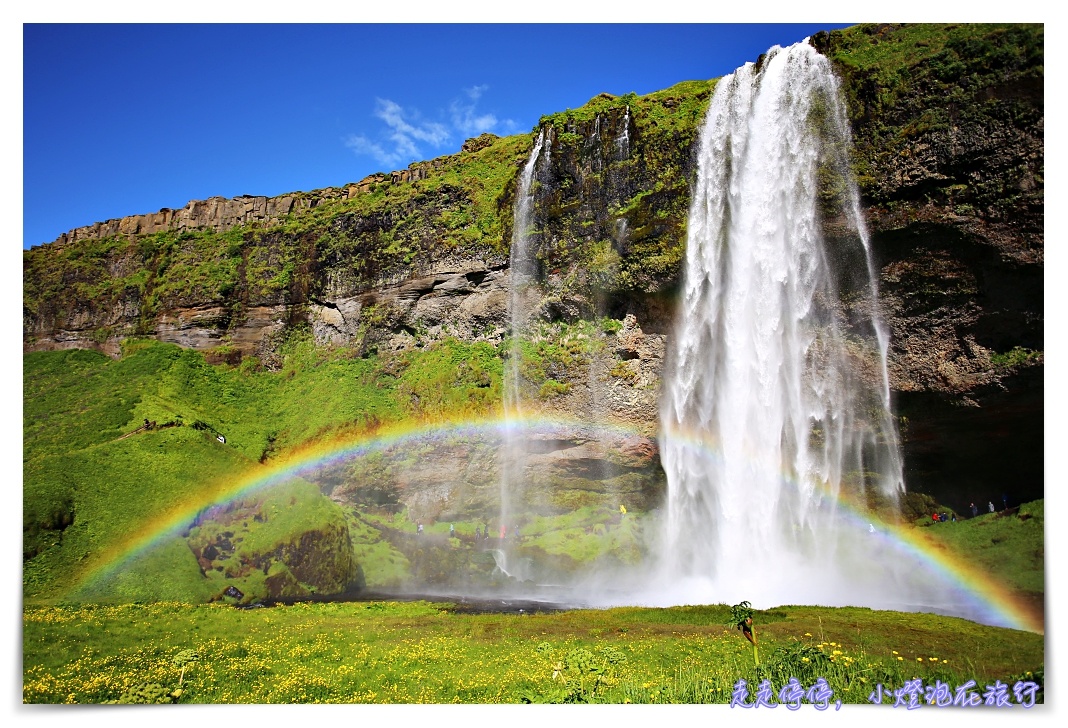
(776, 425)
(523, 272)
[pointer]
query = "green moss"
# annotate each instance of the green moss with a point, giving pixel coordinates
(621, 370)
(1017, 356)
(552, 388)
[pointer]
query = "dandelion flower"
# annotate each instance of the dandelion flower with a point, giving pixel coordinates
(894, 651)
(808, 634)
(900, 658)
(919, 659)
(933, 659)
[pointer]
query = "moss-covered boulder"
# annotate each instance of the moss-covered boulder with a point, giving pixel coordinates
(287, 542)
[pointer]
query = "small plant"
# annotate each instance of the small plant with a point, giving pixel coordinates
(182, 660)
(153, 693)
(742, 618)
(579, 676)
(146, 694)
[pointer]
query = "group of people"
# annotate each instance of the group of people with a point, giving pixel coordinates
(452, 530)
(482, 534)
(990, 505)
(942, 517)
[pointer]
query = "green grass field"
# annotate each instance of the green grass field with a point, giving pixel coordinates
(380, 652)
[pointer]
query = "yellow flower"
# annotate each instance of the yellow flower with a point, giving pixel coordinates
(894, 651)
(900, 658)
(919, 659)
(945, 662)
(837, 652)
(933, 659)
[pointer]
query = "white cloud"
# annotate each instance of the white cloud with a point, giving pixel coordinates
(405, 135)
(403, 132)
(467, 120)
(362, 145)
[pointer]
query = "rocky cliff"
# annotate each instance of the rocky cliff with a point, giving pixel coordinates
(948, 125)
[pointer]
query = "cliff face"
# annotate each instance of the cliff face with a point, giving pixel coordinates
(948, 125)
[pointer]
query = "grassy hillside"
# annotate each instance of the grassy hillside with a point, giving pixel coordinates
(1009, 545)
(89, 483)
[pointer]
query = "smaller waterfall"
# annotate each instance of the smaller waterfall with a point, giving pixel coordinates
(512, 567)
(523, 270)
(623, 140)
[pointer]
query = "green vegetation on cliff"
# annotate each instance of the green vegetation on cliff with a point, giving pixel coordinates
(950, 114)
(385, 229)
(988, 80)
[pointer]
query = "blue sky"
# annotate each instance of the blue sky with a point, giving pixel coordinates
(124, 119)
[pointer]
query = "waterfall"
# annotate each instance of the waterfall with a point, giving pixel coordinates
(523, 271)
(776, 430)
(623, 140)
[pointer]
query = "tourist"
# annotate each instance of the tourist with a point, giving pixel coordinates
(478, 534)
(420, 528)
(452, 531)
(990, 505)
(975, 510)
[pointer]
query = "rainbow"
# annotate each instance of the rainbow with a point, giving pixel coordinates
(985, 595)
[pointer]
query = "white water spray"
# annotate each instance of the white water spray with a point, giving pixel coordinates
(775, 422)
